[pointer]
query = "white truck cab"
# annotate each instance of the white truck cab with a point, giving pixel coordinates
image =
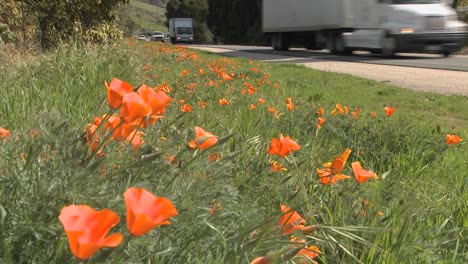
(386, 26)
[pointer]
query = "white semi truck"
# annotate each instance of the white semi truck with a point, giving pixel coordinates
(379, 26)
(181, 30)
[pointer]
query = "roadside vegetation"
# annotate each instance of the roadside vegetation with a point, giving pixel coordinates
(251, 161)
(142, 17)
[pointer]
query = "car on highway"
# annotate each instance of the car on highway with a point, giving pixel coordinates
(141, 37)
(158, 36)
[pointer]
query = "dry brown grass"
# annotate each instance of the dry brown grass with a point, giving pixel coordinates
(463, 51)
(11, 54)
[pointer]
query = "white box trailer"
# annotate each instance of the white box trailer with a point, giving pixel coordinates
(305, 15)
(386, 26)
(181, 30)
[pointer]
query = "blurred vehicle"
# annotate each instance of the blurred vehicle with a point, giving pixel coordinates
(181, 30)
(158, 36)
(379, 26)
(142, 37)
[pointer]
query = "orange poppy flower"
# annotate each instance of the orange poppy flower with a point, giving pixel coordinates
(120, 130)
(223, 101)
(133, 107)
(326, 178)
(226, 76)
(4, 133)
(320, 111)
(331, 173)
(146, 211)
(261, 101)
(320, 122)
(452, 139)
(288, 100)
(362, 175)
(86, 229)
(282, 146)
(203, 140)
(158, 101)
(150, 120)
(253, 106)
(276, 166)
(356, 113)
(202, 104)
(136, 139)
(290, 106)
(262, 260)
(340, 161)
(213, 157)
(339, 109)
(290, 220)
(186, 108)
(311, 252)
(201, 71)
(373, 114)
(115, 92)
(164, 87)
(389, 110)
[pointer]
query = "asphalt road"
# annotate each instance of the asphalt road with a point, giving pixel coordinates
(420, 72)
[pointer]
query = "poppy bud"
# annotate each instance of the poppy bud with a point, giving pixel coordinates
(308, 230)
(291, 253)
(248, 245)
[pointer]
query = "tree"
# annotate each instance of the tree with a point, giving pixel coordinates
(236, 21)
(71, 20)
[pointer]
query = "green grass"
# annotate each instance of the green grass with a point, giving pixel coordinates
(148, 17)
(422, 189)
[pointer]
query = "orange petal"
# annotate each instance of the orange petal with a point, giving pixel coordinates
(360, 174)
(133, 107)
(340, 161)
(146, 211)
(115, 91)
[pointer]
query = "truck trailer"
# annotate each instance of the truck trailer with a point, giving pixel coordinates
(181, 30)
(378, 26)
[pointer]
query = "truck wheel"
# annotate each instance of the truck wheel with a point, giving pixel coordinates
(340, 47)
(388, 46)
(279, 41)
(446, 53)
(331, 46)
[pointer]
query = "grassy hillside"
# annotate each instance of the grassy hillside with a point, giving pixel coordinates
(147, 17)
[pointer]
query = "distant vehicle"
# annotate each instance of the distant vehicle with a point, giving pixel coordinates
(142, 37)
(181, 30)
(379, 26)
(158, 36)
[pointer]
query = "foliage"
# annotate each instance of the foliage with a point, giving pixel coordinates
(228, 197)
(16, 23)
(63, 21)
(236, 21)
(197, 10)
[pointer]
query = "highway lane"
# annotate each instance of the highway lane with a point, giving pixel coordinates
(420, 72)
